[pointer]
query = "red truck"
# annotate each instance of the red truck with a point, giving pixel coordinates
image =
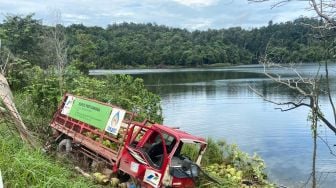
(152, 155)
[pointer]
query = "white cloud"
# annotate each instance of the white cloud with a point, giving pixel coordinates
(197, 3)
(74, 18)
(124, 14)
(200, 24)
(190, 14)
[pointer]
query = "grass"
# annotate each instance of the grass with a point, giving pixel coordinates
(22, 166)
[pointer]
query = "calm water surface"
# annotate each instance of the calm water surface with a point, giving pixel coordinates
(218, 103)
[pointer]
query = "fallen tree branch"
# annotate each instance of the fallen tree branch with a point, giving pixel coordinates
(7, 100)
(310, 92)
(295, 105)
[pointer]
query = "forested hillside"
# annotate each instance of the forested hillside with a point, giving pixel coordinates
(151, 45)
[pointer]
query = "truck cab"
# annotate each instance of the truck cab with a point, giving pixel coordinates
(160, 156)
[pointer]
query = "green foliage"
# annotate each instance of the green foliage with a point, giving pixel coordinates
(20, 73)
(279, 55)
(38, 94)
(214, 153)
(22, 166)
(149, 45)
(190, 150)
(231, 166)
(121, 90)
(22, 36)
(129, 44)
(44, 92)
(229, 176)
(228, 165)
(131, 94)
(83, 67)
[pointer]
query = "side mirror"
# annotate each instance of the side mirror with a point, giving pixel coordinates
(191, 168)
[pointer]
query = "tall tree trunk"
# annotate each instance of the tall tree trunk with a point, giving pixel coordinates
(314, 159)
(314, 102)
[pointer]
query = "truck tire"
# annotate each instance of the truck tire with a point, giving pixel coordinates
(64, 147)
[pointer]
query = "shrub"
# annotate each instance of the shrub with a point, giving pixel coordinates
(41, 94)
(231, 166)
(22, 166)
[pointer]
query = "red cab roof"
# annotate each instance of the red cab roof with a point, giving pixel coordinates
(181, 135)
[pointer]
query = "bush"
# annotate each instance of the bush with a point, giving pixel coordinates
(40, 94)
(228, 164)
(22, 166)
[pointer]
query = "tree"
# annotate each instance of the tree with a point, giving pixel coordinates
(307, 86)
(55, 47)
(309, 89)
(22, 36)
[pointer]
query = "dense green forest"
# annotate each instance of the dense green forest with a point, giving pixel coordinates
(151, 45)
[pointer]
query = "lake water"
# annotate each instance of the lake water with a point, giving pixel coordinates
(218, 103)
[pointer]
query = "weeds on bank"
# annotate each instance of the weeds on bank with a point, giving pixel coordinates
(22, 166)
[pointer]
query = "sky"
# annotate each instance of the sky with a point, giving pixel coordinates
(189, 14)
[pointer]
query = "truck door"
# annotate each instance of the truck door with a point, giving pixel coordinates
(145, 157)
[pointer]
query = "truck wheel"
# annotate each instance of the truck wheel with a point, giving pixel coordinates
(83, 160)
(64, 147)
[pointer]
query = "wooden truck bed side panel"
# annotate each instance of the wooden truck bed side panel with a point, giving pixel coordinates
(87, 142)
(78, 131)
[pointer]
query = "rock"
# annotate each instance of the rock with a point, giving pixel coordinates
(100, 178)
(123, 185)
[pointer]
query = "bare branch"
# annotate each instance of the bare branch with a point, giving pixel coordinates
(292, 104)
(324, 9)
(294, 84)
(295, 105)
(55, 45)
(326, 122)
(326, 143)
(288, 83)
(319, 12)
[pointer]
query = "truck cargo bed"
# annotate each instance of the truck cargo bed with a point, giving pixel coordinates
(93, 142)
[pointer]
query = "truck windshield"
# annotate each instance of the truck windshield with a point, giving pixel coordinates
(170, 142)
(154, 148)
(188, 150)
(151, 144)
